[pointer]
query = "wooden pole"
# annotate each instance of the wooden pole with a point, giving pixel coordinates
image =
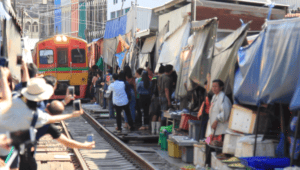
(256, 129)
(295, 139)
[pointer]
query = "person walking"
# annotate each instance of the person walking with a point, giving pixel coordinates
(138, 78)
(144, 89)
(120, 101)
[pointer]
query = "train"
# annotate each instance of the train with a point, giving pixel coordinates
(65, 58)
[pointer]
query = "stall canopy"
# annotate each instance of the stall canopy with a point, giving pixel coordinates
(172, 47)
(109, 49)
(146, 50)
(115, 27)
(159, 43)
(272, 64)
(3, 13)
(225, 57)
(201, 59)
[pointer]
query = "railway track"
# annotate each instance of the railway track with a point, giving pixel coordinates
(110, 152)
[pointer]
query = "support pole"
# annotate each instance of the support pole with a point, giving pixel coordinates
(295, 139)
(283, 128)
(256, 129)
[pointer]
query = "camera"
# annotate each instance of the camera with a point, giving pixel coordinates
(71, 90)
(21, 137)
(3, 62)
(77, 105)
(19, 59)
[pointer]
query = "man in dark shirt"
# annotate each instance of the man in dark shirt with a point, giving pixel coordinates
(165, 87)
(57, 108)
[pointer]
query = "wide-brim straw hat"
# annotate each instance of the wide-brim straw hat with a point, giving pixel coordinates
(37, 90)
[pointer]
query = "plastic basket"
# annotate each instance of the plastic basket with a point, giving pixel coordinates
(168, 128)
(174, 150)
(184, 121)
(265, 163)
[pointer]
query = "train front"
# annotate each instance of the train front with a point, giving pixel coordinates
(65, 58)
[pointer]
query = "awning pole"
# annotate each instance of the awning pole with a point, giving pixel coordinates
(295, 139)
(283, 127)
(256, 129)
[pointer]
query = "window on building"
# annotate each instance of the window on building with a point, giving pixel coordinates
(119, 13)
(112, 15)
(35, 27)
(115, 1)
(46, 56)
(126, 10)
(27, 26)
(78, 56)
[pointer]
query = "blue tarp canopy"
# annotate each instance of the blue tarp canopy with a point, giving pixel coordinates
(269, 67)
(115, 27)
(120, 57)
(95, 40)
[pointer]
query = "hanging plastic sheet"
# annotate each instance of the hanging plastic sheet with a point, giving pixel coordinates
(120, 57)
(172, 47)
(148, 45)
(109, 48)
(280, 61)
(225, 57)
(159, 43)
(204, 41)
(143, 59)
(183, 75)
(247, 76)
(271, 66)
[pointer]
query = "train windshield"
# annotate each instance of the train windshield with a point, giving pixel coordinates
(78, 56)
(46, 57)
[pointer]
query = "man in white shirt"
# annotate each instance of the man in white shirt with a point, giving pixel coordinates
(120, 101)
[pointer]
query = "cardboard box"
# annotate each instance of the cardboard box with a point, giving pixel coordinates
(199, 155)
(243, 120)
(230, 143)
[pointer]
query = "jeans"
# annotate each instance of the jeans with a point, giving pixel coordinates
(132, 106)
(119, 117)
(104, 99)
(111, 109)
(145, 101)
(139, 112)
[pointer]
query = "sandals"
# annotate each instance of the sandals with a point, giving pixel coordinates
(144, 128)
(126, 126)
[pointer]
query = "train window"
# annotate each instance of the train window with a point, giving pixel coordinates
(62, 57)
(78, 55)
(46, 57)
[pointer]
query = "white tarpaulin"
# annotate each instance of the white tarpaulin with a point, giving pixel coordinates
(172, 47)
(148, 45)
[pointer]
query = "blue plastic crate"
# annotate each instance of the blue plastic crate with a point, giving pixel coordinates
(265, 163)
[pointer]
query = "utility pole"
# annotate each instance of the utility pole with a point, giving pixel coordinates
(22, 19)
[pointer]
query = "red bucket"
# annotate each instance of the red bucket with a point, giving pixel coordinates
(184, 125)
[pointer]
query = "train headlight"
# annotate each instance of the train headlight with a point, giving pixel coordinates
(58, 38)
(64, 38)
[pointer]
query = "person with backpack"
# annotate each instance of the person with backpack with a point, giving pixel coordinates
(144, 89)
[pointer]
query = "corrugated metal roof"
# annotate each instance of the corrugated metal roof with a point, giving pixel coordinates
(115, 27)
(148, 45)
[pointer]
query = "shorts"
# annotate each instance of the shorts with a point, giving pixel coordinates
(155, 107)
(15, 163)
(163, 103)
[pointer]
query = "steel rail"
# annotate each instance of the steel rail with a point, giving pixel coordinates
(82, 163)
(133, 154)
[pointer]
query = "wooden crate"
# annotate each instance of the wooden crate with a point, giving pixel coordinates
(243, 120)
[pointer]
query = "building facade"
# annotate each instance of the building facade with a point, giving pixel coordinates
(117, 8)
